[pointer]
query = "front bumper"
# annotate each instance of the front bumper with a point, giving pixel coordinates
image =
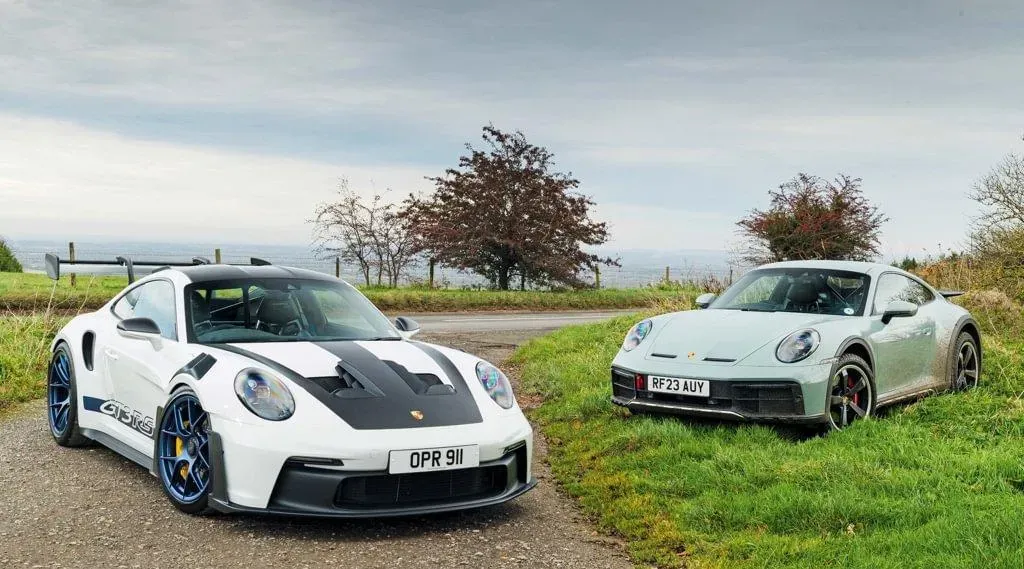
(786, 400)
(315, 490)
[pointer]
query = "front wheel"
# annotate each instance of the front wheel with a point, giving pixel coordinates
(183, 445)
(967, 366)
(62, 399)
(851, 394)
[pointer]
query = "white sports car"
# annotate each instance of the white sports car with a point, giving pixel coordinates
(276, 390)
(820, 342)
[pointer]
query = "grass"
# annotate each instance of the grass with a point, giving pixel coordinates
(939, 483)
(24, 355)
(29, 292)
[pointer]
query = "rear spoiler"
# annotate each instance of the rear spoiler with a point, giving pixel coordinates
(54, 263)
(951, 293)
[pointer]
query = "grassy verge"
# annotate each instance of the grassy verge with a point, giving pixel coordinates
(28, 292)
(939, 483)
(24, 356)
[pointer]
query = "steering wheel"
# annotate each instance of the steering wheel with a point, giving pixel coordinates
(291, 328)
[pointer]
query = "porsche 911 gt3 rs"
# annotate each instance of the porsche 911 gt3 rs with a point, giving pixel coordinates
(814, 342)
(276, 390)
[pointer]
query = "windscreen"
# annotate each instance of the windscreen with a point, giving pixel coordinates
(282, 310)
(816, 291)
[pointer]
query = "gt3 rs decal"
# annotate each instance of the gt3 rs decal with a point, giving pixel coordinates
(133, 418)
(386, 399)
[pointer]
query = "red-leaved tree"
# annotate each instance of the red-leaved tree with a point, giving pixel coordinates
(813, 218)
(503, 213)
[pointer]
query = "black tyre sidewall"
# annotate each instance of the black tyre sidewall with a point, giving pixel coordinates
(202, 505)
(845, 360)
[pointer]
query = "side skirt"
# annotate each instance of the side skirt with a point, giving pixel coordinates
(119, 447)
(918, 393)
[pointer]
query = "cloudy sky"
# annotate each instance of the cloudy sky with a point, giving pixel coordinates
(228, 121)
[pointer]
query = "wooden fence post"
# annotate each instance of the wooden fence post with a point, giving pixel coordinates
(216, 255)
(430, 278)
(597, 276)
(337, 267)
(71, 257)
(667, 279)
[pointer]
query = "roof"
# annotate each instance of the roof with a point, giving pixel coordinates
(852, 266)
(204, 273)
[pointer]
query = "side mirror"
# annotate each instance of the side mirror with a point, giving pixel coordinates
(703, 301)
(141, 329)
(898, 309)
(407, 326)
(52, 263)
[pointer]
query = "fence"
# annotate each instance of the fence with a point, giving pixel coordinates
(31, 253)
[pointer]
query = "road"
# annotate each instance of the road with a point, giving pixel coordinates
(503, 321)
(92, 508)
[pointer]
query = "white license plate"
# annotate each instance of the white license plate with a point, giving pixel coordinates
(430, 459)
(679, 386)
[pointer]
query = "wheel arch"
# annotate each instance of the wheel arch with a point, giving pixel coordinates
(856, 345)
(969, 325)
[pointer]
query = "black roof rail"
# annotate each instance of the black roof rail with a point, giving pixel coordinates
(256, 261)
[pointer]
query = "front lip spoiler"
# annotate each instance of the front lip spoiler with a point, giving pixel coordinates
(682, 409)
(230, 508)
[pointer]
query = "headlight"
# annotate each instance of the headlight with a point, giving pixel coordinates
(797, 346)
(637, 334)
(264, 394)
(496, 384)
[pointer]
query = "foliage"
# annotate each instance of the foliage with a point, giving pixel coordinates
(907, 263)
(24, 354)
(8, 263)
(367, 233)
(935, 483)
(813, 218)
(34, 292)
(503, 213)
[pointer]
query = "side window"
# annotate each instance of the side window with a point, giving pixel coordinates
(898, 287)
(125, 308)
(156, 301)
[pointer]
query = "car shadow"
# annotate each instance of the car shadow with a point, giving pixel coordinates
(791, 432)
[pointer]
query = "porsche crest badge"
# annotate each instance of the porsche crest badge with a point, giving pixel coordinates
(416, 414)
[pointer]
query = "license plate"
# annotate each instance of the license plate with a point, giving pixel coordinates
(430, 459)
(679, 386)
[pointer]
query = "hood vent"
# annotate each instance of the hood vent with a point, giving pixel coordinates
(720, 360)
(421, 383)
(666, 356)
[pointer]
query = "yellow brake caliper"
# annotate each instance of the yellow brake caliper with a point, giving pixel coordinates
(179, 445)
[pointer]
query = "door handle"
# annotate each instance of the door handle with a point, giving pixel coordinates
(111, 354)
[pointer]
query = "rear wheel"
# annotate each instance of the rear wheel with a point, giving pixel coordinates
(851, 394)
(967, 366)
(62, 399)
(184, 447)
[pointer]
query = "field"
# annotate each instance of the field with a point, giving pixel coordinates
(32, 292)
(938, 483)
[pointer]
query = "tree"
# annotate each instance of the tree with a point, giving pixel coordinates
(504, 213)
(8, 263)
(813, 218)
(998, 232)
(365, 232)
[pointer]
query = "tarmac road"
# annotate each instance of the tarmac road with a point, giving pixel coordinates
(503, 321)
(91, 508)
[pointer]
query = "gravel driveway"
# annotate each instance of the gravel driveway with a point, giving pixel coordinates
(91, 508)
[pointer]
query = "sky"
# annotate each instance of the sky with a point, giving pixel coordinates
(228, 122)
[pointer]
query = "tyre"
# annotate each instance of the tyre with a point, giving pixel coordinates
(966, 367)
(183, 444)
(851, 392)
(62, 399)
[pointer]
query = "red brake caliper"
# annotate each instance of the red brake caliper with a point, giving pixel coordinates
(856, 396)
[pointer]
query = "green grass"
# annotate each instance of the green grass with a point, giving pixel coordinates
(934, 484)
(24, 355)
(28, 292)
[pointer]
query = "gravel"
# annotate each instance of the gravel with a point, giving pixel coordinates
(91, 508)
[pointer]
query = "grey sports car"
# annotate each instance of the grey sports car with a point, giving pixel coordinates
(820, 342)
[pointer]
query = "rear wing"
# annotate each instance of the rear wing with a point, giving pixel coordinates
(54, 263)
(951, 293)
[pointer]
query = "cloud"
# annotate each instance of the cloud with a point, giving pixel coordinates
(61, 181)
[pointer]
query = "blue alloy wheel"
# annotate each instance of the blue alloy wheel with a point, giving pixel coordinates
(184, 448)
(59, 393)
